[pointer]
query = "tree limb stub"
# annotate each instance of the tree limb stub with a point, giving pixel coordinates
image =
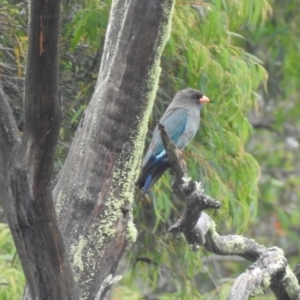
(270, 266)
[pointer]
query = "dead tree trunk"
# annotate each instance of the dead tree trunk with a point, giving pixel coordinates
(94, 192)
(96, 187)
(27, 163)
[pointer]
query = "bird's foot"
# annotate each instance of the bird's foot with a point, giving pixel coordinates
(179, 153)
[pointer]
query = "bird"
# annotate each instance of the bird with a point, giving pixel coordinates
(181, 120)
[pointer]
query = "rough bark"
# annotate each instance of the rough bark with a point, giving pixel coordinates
(270, 270)
(28, 164)
(95, 190)
(9, 138)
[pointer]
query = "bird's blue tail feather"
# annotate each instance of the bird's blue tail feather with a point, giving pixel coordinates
(147, 184)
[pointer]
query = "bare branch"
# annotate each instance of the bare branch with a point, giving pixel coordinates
(270, 266)
(270, 270)
(187, 190)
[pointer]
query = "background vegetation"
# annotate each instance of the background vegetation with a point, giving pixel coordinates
(246, 153)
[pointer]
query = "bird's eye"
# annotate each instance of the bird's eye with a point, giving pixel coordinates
(196, 97)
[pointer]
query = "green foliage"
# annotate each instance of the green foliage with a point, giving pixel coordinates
(88, 24)
(12, 281)
(276, 145)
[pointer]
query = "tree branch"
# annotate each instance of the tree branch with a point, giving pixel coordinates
(270, 266)
(9, 138)
(28, 196)
(270, 270)
(9, 133)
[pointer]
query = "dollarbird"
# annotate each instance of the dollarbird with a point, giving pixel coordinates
(181, 121)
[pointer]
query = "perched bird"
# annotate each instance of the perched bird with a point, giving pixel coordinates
(181, 121)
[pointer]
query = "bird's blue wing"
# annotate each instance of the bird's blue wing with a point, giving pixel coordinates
(174, 121)
(156, 161)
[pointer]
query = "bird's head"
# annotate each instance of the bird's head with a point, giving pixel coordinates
(190, 97)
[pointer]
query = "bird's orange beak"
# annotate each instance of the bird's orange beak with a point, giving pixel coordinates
(204, 99)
